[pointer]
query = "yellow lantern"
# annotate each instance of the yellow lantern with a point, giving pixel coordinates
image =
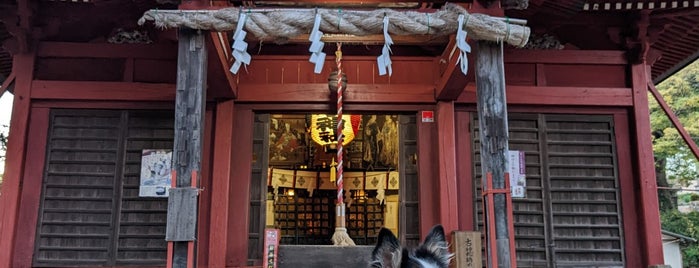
(323, 128)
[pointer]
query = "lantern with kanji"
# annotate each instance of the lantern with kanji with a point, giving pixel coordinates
(323, 128)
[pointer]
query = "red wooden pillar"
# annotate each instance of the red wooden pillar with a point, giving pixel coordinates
(220, 184)
(239, 201)
(448, 202)
(651, 238)
(16, 148)
(427, 170)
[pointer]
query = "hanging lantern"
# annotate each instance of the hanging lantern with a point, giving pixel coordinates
(324, 126)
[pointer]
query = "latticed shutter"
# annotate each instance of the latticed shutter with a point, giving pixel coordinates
(409, 213)
(571, 215)
(142, 220)
(583, 181)
(258, 187)
(90, 212)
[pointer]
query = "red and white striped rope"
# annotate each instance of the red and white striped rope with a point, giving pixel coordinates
(340, 124)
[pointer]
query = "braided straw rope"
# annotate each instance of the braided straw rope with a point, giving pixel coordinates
(279, 25)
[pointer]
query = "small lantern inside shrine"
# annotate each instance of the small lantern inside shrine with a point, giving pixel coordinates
(323, 129)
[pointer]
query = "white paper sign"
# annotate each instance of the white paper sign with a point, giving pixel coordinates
(155, 173)
(517, 170)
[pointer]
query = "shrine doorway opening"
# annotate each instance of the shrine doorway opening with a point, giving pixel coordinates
(292, 189)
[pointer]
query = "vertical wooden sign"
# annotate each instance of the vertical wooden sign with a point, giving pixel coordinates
(271, 248)
(466, 247)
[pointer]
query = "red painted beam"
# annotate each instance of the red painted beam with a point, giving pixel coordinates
(106, 50)
(221, 183)
(650, 236)
(31, 188)
(559, 96)
(221, 44)
(675, 121)
(452, 82)
(6, 84)
(356, 93)
(446, 142)
(596, 57)
(23, 66)
(91, 90)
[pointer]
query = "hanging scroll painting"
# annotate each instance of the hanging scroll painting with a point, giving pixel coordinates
(287, 140)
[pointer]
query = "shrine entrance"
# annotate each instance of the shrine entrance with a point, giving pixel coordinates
(294, 188)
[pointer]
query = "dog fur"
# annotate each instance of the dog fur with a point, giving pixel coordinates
(432, 253)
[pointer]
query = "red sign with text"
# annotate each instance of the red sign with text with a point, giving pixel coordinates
(427, 116)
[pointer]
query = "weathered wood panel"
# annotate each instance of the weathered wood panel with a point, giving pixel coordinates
(492, 117)
(583, 184)
(571, 215)
(182, 214)
(90, 211)
(146, 130)
(190, 103)
(79, 192)
(529, 220)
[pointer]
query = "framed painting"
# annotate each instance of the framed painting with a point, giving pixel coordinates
(288, 140)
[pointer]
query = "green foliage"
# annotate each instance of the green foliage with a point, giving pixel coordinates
(687, 197)
(681, 92)
(685, 224)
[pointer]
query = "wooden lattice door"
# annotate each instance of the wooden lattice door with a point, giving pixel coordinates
(571, 215)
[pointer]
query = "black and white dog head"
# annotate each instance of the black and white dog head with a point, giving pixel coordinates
(433, 253)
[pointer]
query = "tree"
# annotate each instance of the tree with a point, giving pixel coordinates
(675, 163)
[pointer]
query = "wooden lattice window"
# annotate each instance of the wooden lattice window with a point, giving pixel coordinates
(571, 215)
(91, 212)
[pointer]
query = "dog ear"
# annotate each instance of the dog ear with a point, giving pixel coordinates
(387, 253)
(436, 243)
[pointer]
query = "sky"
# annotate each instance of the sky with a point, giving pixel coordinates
(5, 112)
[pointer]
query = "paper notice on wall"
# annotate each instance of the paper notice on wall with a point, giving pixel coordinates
(155, 173)
(517, 170)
